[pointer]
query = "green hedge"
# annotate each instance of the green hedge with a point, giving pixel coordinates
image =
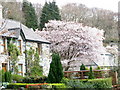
(101, 83)
(42, 79)
(49, 85)
(17, 78)
(88, 83)
(54, 85)
(68, 83)
(16, 85)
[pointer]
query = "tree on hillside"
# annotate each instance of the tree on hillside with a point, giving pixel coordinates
(50, 11)
(56, 72)
(38, 11)
(93, 17)
(29, 14)
(12, 10)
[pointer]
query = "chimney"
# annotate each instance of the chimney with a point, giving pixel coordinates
(1, 11)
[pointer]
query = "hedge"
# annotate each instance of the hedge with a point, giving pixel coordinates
(88, 83)
(101, 83)
(42, 79)
(35, 85)
(17, 78)
(68, 83)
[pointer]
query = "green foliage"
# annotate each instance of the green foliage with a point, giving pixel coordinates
(13, 53)
(16, 86)
(82, 67)
(36, 71)
(91, 74)
(2, 75)
(7, 76)
(33, 63)
(54, 86)
(98, 74)
(29, 14)
(50, 11)
(17, 78)
(65, 80)
(41, 79)
(86, 68)
(75, 84)
(88, 83)
(29, 59)
(56, 70)
(30, 54)
(12, 49)
(79, 84)
(36, 58)
(98, 68)
(101, 83)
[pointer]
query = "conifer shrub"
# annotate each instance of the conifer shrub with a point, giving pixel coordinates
(91, 74)
(7, 76)
(82, 67)
(56, 71)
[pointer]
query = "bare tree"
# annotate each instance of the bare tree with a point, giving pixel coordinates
(93, 17)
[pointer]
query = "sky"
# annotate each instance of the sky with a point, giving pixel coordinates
(105, 4)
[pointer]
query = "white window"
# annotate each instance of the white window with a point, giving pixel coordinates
(2, 46)
(20, 69)
(20, 46)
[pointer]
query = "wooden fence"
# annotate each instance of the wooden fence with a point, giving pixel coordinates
(83, 74)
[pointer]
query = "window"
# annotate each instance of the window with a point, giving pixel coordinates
(20, 69)
(3, 46)
(20, 46)
(4, 66)
(40, 48)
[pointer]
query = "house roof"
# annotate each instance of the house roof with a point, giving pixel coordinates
(16, 28)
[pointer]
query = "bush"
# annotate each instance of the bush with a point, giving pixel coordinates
(36, 71)
(82, 67)
(91, 74)
(7, 76)
(88, 83)
(50, 85)
(54, 86)
(101, 83)
(17, 78)
(79, 84)
(35, 79)
(16, 85)
(99, 74)
(65, 80)
(2, 76)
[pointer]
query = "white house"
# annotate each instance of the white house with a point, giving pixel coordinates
(24, 39)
